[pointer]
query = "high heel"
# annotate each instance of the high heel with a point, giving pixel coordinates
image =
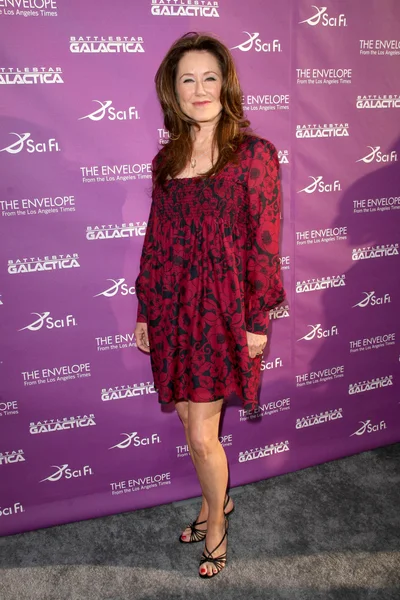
(219, 562)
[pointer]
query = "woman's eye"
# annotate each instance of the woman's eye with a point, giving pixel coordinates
(188, 81)
(211, 79)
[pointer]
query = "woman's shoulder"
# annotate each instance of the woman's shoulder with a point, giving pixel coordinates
(159, 157)
(254, 145)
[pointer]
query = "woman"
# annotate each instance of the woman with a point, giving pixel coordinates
(209, 270)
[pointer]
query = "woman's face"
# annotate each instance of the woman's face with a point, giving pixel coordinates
(198, 86)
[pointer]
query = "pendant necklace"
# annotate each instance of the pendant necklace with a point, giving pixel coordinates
(193, 161)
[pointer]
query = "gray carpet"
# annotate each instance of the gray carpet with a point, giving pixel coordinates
(329, 532)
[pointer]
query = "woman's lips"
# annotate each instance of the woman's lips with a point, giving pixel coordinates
(201, 103)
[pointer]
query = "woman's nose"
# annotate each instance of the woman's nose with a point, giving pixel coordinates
(199, 89)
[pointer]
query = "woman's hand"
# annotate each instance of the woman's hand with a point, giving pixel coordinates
(142, 338)
(256, 343)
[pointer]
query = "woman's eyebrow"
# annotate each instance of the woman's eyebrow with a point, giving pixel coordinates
(191, 74)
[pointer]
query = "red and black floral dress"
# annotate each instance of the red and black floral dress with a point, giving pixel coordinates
(209, 272)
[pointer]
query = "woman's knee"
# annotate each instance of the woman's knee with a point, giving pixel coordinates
(202, 440)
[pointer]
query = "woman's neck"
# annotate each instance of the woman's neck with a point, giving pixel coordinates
(206, 132)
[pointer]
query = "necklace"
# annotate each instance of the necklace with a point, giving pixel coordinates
(193, 160)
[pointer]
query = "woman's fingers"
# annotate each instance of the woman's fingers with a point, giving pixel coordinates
(255, 351)
(256, 343)
(142, 338)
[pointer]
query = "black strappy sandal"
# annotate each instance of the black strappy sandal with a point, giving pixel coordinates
(198, 535)
(219, 562)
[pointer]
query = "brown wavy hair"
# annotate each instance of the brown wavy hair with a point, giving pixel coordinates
(231, 126)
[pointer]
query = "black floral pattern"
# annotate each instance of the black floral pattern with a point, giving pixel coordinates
(209, 272)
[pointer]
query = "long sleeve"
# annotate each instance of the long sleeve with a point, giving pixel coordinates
(142, 281)
(263, 283)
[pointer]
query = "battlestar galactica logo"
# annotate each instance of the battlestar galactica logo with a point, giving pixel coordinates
(120, 392)
(263, 452)
(385, 101)
(108, 44)
(375, 252)
(47, 263)
(327, 130)
(279, 312)
(184, 8)
(371, 384)
(48, 426)
(108, 232)
(323, 417)
(316, 284)
(283, 157)
(9, 458)
(29, 76)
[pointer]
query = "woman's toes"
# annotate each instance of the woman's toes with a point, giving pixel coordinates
(185, 535)
(205, 569)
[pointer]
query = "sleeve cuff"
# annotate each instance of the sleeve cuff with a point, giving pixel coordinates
(257, 323)
(141, 313)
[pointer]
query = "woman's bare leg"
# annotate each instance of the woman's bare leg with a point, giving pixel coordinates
(212, 470)
(182, 409)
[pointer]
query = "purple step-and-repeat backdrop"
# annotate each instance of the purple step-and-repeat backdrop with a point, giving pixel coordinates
(81, 431)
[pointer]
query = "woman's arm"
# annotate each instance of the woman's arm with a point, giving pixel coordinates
(263, 283)
(142, 281)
